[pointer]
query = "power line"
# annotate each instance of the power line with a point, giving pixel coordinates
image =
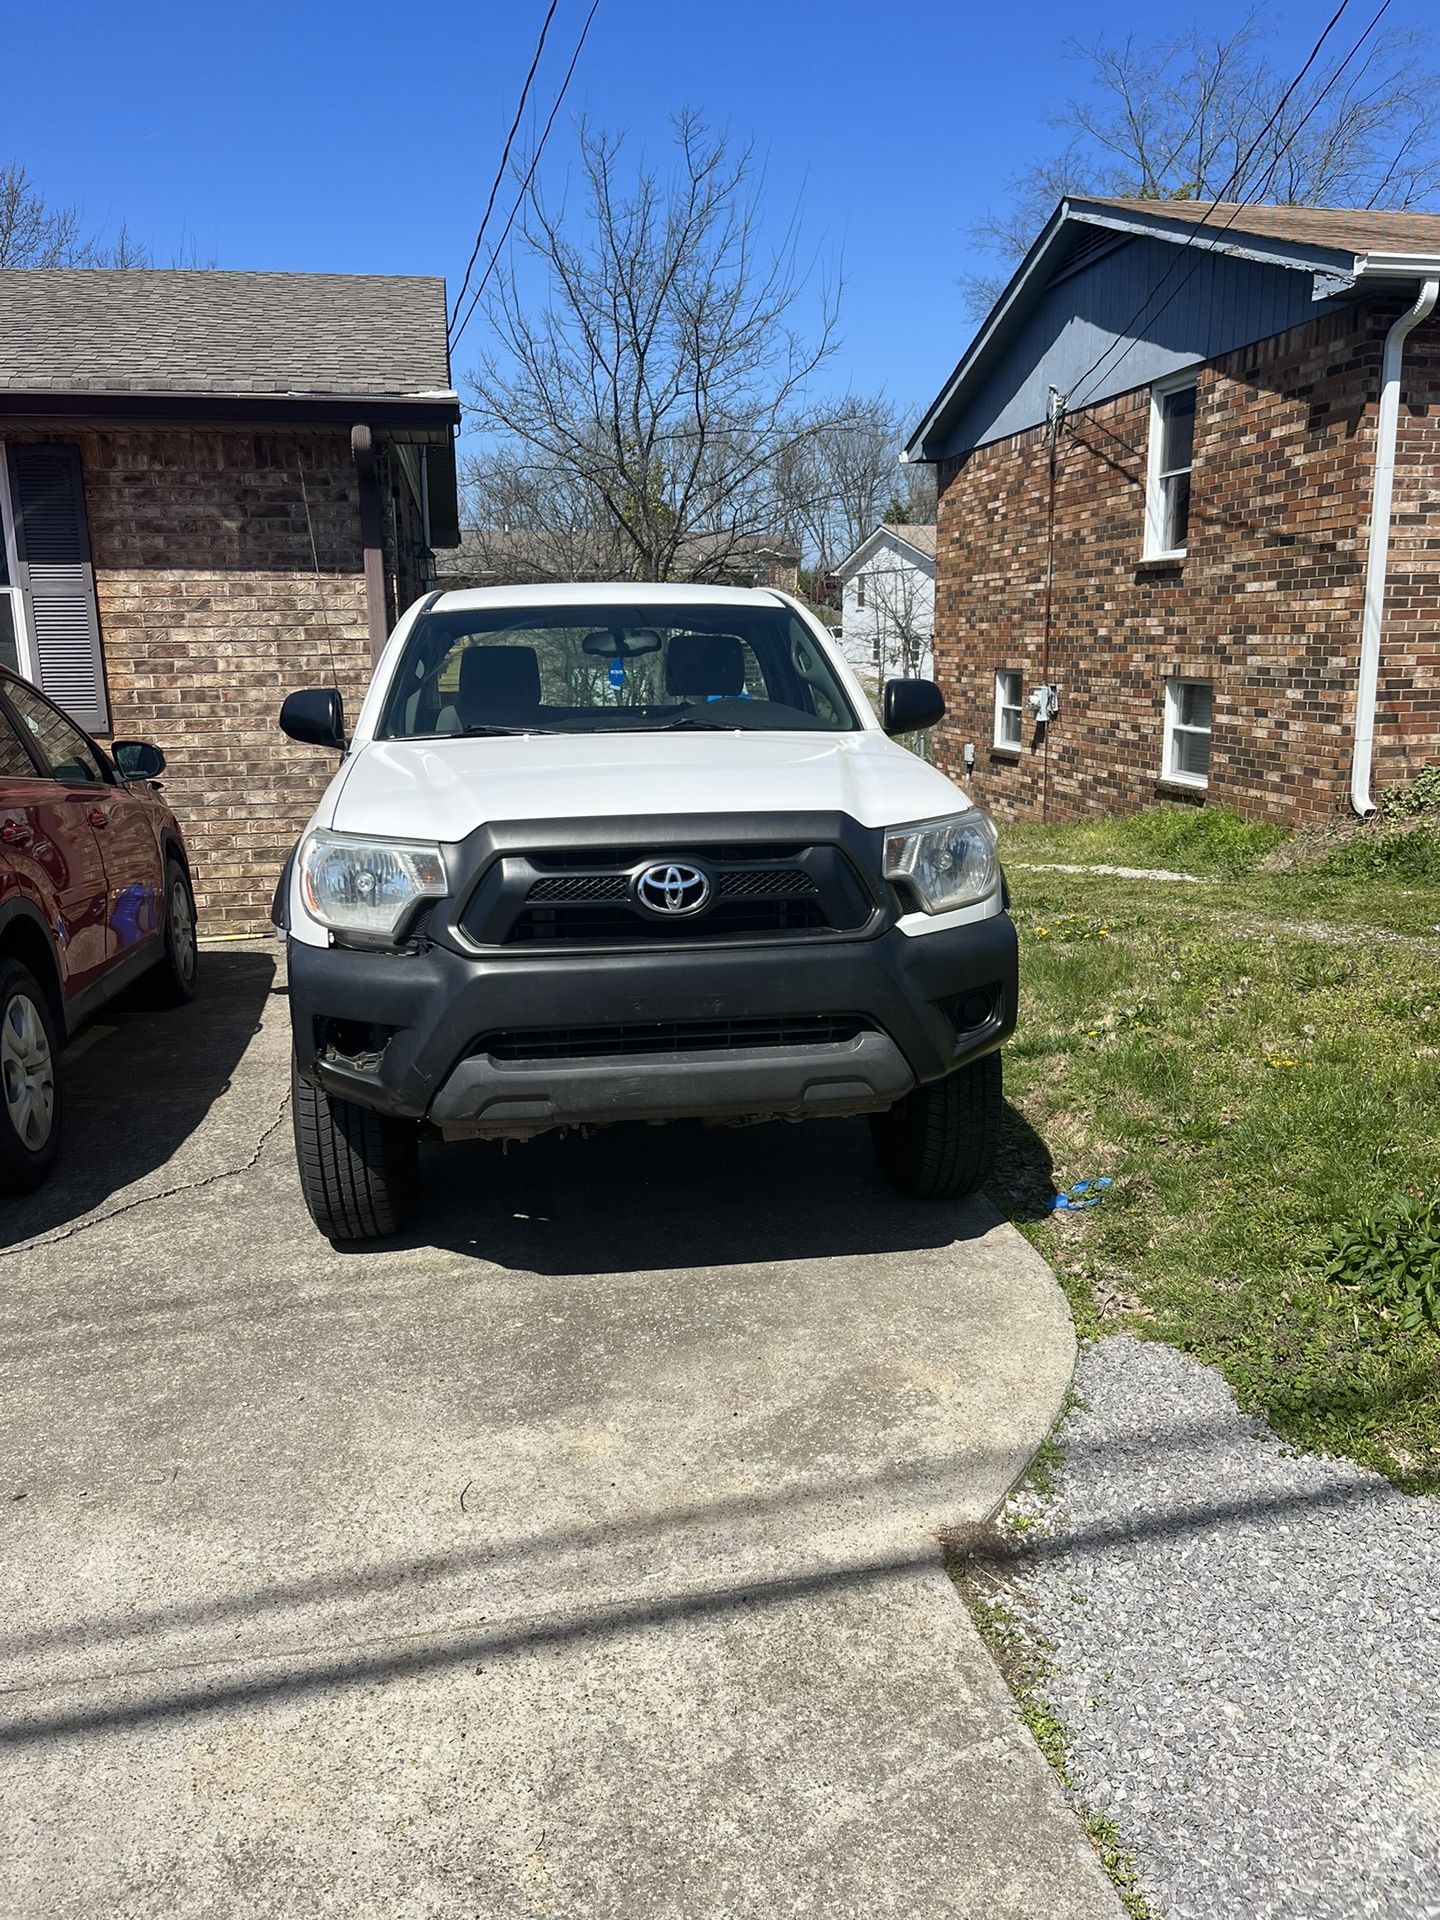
(504, 160)
(1236, 175)
(529, 176)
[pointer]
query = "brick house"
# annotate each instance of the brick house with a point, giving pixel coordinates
(1164, 468)
(216, 487)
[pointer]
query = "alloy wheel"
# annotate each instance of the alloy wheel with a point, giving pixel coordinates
(27, 1071)
(182, 930)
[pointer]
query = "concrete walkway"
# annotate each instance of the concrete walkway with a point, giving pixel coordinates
(577, 1558)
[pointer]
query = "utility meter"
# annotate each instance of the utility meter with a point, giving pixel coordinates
(1045, 704)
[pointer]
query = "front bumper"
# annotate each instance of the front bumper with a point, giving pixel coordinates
(398, 1031)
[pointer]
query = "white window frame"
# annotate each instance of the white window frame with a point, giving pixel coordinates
(1004, 706)
(1169, 771)
(1160, 392)
(25, 639)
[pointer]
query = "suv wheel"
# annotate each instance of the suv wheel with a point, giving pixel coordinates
(29, 1083)
(940, 1140)
(358, 1169)
(174, 975)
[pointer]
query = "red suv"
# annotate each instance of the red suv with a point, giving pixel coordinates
(94, 891)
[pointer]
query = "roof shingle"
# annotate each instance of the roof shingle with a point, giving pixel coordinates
(120, 330)
(1345, 229)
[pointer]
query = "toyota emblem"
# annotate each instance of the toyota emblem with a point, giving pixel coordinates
(672, 888)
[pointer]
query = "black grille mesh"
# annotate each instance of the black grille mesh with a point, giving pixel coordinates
(583, 886)
(761, 880)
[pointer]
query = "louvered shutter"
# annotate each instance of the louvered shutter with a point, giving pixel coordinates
(53, 547)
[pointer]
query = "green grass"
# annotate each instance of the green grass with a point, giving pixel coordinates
(1210, 840)
(1255, 1062)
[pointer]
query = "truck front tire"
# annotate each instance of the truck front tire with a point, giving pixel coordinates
(940, 1140)
(358, 1169)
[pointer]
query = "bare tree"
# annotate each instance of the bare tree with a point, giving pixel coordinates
(1200, 116)
(902, 620)
(835, 473)
(658, 382)
(33, 233)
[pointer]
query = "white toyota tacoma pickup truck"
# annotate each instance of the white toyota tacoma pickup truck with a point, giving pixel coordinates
(622, 853)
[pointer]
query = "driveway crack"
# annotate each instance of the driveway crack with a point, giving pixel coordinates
(100, 1219)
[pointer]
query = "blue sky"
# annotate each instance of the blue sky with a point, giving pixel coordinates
(358, 137)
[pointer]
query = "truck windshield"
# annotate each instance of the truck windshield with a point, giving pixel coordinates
(613, 669)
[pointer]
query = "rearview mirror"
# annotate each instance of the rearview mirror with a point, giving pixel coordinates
(618, 645)
(909, 706)
(315, 717)
(137, 760)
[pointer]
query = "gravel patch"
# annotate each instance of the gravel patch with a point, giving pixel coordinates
(1247, 1652)
(1116, 873)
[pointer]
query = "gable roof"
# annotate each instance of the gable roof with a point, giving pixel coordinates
(122, 331)
(1329, 250)
(919, 537)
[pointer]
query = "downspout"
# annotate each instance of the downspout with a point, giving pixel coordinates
(1377, 557)
(372, 537)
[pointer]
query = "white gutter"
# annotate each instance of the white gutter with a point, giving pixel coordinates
(1377, 557)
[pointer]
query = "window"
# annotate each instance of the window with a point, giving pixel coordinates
(1167, 494)
(1189, 706)
(860, 590)
(63, 748)
(15, 761)
(1009, 711)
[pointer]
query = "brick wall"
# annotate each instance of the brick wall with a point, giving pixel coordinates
(1266, 604)
(210, 612)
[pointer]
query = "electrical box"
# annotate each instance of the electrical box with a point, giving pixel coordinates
(1045, 704)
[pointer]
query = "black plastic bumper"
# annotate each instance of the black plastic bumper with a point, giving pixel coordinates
(397, 1032)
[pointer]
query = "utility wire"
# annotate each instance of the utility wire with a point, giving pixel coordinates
(529, 176)
(504, 162)
(1237, 174)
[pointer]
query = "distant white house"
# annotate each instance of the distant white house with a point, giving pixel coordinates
(888, 601)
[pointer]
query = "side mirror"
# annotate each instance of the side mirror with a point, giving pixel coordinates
(315, 717)
(909, 706)
(137, 760)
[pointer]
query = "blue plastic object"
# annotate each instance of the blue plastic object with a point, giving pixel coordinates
(1084, 1193)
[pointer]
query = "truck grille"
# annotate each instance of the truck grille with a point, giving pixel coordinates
(585, 897)
(674, 1036)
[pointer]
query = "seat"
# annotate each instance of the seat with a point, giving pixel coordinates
(701, 666)
(499, 686)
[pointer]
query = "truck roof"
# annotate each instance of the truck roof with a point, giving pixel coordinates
(590, 593)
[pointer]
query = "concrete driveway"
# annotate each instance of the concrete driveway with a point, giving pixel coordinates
(577, 1557)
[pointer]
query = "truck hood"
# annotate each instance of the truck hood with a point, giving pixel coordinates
(445, 789)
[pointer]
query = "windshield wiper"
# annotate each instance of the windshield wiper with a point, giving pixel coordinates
(700, 726)
(477, 733)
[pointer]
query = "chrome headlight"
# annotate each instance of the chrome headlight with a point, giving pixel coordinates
(945, 863)
(353, 885)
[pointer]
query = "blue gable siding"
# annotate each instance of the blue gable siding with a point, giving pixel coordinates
(1212, 303)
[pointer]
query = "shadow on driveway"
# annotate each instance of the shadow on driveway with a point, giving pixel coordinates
(640, 1199)
(138, 1083)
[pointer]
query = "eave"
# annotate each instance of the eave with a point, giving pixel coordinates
(428, 415)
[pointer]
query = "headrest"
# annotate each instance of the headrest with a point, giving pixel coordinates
(703, 663)
(493, 677)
